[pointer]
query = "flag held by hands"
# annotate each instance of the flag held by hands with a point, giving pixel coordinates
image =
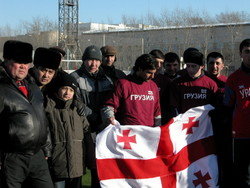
(176, 155)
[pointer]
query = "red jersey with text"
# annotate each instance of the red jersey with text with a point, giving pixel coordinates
(237, 93)
(188, 92)
(135, 102)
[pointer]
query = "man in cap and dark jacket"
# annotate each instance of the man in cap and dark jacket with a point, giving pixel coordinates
(109, 57)
(94, 84)
(94, 87)
(24, 127)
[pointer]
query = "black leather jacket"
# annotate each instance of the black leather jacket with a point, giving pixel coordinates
(23, 123)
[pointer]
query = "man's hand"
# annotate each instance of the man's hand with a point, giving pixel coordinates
(111, 121)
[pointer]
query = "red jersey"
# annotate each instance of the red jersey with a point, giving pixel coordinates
(134, 102)
(222, 78)
(188, 92)
(220, 81)
(237, 93)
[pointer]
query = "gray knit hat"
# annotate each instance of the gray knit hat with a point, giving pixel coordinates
(92, 52)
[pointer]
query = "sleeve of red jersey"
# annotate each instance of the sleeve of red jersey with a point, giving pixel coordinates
(115, 98)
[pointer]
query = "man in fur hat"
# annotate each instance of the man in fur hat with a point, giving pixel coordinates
(24, 140)
(46, 63)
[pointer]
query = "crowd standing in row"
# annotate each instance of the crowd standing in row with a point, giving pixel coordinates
(49, 118)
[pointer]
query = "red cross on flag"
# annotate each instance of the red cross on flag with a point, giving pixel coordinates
(180, 154)
(126, 139)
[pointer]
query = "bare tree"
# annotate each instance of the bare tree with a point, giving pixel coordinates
(132, 20)
(233, 17)
(6, 31)
(38, 25)
(151, 19)
(186, 17)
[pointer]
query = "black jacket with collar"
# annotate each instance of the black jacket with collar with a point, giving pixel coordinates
(23, 123)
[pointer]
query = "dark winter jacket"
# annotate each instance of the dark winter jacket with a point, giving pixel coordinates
(23, 123)
(113, 73)
(67, 132)
(94, 88)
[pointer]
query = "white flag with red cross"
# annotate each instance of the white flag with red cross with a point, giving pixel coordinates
(180, 154)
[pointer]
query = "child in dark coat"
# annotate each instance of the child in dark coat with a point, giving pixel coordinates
(67, 129)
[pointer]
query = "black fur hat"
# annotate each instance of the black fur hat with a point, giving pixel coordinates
(47, 58)
(18, 51)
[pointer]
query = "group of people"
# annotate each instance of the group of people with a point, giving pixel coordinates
(49, 118)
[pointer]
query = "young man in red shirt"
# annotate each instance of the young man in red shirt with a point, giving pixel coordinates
(135, 100)
(215, 64)
(237, 96)
(194, 88)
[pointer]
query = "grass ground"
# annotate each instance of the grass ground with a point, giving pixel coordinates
(86, 180)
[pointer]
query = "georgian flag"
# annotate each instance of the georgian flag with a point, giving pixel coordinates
(179, 154)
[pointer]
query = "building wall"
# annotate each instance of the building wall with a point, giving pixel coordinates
(130, 44)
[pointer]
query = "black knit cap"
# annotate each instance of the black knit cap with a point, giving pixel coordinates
(67, 80)
(92, 52)
(190, 49)
(18, 51)
(194, 57)
(47, 58)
